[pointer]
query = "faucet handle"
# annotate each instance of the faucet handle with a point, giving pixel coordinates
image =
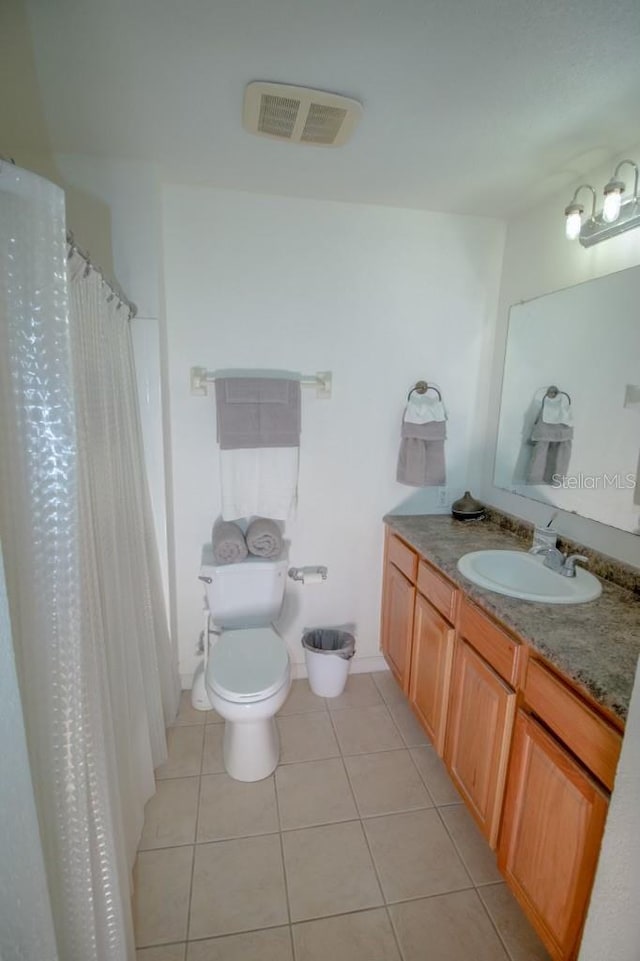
(569, 566)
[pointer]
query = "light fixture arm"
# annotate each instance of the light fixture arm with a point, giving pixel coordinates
(631, 163)
(574, 200)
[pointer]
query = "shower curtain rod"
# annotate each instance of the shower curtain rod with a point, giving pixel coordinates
(115, 292)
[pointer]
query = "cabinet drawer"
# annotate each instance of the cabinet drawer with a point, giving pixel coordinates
(403, 557)
(439, 591)
(595, 742)
(496, 646)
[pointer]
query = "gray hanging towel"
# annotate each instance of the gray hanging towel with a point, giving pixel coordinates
(551, 452)
(421, 461)
(257, 412)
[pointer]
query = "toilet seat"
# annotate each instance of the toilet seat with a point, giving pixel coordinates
(248, 665)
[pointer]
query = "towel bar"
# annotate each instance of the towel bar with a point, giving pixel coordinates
(200, 378)
(422, 387)
(553, 391)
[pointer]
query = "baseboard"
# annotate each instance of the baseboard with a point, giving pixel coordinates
(359, 665)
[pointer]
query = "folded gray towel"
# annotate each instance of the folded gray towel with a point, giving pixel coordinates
(432, 430)
(551, 452)
(421, 459)
(257, 412)
(264, 538)
(421, 463)
(228, 543)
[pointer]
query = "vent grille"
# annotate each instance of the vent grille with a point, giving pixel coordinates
(278, 115)
(323, 124)
(299, 114)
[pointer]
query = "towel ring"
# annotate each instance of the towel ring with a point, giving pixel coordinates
(553, 391)
(422, 387)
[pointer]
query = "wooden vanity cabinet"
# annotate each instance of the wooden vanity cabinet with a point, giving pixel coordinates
(552, 827)
(398, 599)
(431, 661)
(479, 736)
(532, 754)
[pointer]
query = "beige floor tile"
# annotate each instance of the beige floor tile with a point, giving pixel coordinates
(412, 733)
(414, 855)
(168, 952)
(306, 737)
(521, 940)
(360, 691)
(162, 880)
(386, 782)
(454, 926)
(302, 700)
(329, 870)
(314, 792)
(237, 886)
(388, 686)
(170, 815)
(236, 809)
(274, 944)
(212, 757)
(184, 745)
(366, 936)
(363, 730)
(435, 776)
(474, 850)
(187, 714)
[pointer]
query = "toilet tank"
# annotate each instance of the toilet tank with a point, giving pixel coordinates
(248, 594)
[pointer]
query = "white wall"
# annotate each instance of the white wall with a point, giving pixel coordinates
(380, 296)
(537, 260)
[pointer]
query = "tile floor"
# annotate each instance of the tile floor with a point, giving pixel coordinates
(358, 848)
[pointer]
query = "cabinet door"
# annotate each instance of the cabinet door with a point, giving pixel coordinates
(431, 661)
(552, 828)
(397, 623)
(478, 736)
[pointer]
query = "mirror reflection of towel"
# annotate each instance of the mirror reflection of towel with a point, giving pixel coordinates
(421, 460)
(551, 452)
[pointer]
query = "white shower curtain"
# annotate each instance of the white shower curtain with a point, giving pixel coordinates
(97, 680)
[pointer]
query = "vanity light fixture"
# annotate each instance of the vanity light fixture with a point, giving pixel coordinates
(616, 217)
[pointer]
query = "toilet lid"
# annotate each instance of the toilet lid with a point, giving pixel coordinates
(248, 664)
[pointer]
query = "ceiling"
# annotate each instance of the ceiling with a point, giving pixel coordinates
(470, 106)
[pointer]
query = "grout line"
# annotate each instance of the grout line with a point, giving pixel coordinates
(284, 865)
(495, 926)
(371, 857)
(195, 835)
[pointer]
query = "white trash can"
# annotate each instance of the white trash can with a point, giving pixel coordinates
(328, 653)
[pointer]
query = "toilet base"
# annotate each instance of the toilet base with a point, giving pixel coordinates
(251, 743)
(251, 749)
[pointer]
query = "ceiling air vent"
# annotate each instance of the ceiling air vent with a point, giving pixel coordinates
(299, 114)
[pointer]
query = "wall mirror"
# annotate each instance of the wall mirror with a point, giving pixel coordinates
(569, 431)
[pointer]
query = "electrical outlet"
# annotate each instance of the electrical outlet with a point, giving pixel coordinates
(443, 497)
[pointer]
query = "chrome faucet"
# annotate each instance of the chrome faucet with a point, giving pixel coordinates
(556, 561)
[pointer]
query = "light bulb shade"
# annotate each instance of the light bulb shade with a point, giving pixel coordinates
(612, 201)
(573, 222)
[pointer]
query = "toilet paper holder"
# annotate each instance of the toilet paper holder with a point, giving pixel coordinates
(299, 573)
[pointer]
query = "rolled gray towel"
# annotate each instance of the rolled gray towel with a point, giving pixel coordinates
(264, 538)
(228, 543)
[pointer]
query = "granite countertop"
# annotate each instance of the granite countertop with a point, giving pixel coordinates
(596, 644)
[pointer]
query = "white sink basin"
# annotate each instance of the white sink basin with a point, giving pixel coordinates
(523, 575)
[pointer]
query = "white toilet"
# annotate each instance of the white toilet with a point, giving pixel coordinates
(248, 673)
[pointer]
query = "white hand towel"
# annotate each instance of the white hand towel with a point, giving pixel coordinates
(424, 408)
(557, 410)
(259, 480)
